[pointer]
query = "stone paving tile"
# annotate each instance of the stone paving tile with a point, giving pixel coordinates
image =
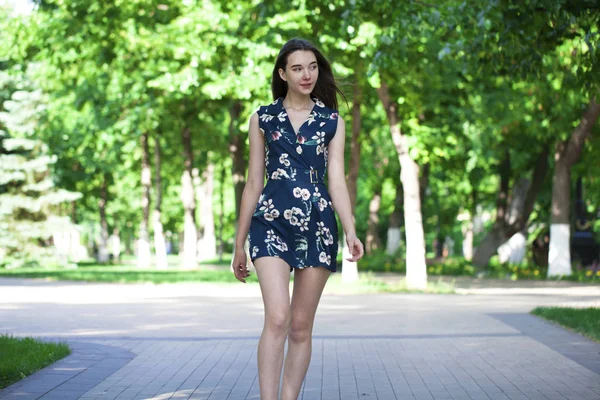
(495, 368)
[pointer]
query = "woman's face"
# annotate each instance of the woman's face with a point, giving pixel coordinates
(301, 72)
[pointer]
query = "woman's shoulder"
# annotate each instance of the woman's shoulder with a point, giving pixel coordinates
(270, 109)
(325, 111)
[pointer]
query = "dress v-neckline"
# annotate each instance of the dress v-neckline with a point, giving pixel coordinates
(287, 116)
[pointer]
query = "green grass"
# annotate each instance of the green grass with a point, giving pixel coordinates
(125, 274)
(20, 357)
(91, 272)
(583, 320)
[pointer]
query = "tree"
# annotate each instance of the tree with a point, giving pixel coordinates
(29, 200)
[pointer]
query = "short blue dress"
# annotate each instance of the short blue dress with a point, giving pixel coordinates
(294, 218)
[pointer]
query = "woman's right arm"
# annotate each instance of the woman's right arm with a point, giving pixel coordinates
(252, 190)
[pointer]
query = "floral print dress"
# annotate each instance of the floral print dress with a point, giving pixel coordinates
(294, 218)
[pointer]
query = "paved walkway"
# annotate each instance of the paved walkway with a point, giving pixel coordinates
(191, 341)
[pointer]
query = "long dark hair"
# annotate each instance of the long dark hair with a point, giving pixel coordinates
(326, 89)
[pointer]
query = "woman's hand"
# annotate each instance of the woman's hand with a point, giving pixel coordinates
(240, 269)
(355, 247)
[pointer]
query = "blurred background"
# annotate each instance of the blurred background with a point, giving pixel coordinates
(472, 130)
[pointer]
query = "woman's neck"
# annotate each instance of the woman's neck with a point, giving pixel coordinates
(297, 101)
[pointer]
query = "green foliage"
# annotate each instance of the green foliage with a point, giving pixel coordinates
(471, 81)
(29, 200)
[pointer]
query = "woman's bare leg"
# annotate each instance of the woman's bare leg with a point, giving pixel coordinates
(308, 286)
(274, 278)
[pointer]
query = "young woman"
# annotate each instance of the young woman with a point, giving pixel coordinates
(290, 221)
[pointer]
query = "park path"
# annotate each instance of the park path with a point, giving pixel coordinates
(198, 341)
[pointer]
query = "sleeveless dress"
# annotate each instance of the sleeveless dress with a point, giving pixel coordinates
(294, 218)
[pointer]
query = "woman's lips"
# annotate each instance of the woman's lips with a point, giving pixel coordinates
(306, 84)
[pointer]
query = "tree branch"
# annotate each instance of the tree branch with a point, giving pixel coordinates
(583, 130)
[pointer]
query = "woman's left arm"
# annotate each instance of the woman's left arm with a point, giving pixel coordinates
(339, 191)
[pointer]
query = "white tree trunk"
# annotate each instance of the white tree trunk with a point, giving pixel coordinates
(393, 240)
(566, 155)
(514, 249)
(416, 269)
(115, 245)
(143, 253)
(103, 255)
(189, 224)
(559, 256)
(208, 243)
(160, 248)
(467, 244)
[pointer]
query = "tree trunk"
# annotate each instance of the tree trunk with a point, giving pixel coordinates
(469, 229)
(393, 234)
(143, 243)
(497, 235)
(237, 149)
(513, 250)
(512, 222)
(208, 242)
(189, 204)
(373, 242)
(416, 270)
(559, 257)
(350, 269)
(160, 247)
(355, 147)
(221, 247)
(566, 155)
(424, 181)
(103, 245)
(467, 245)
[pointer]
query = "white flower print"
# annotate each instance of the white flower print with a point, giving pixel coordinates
(323, 257)
(268, 217)
(321, 148)
(267, 205)
(275, 213)
(311, 118)
(266, 117)
(287, 214)
(282, 116)
(305, 194)
(282, 172)
(299, 149)
(319, 137)
(297, 192)
(296, 210)
(319, 103)
(274, 241)
(283, 159)
(294, 220)
(275, 175)
(280, 245)
(317, 193)
(322, 204)
(254, 251)
(303, 225)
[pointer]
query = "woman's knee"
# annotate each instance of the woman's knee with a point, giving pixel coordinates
(300, 329)
(278, 321)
